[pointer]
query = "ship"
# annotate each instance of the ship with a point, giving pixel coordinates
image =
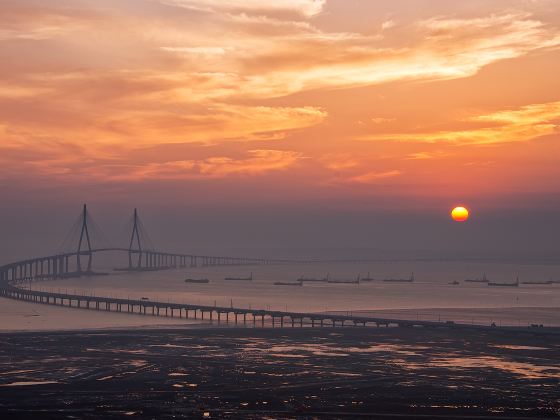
(454, 283)
(313, 280)
(515, 284)
(197, 281)
(409, 280)
(333, 281)
(368, 278)
(546, 282)
(478, 280)
(282, 283)
(250, 278)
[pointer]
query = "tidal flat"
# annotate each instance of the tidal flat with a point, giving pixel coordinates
(279, 374)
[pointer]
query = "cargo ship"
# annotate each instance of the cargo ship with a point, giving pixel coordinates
(342, 281)
(538, 282)
(250, 278)
(368, 278)
(515, 284)
(314, 280)
(477, 280)
(282, 283)
(409, 280)
(197, 281)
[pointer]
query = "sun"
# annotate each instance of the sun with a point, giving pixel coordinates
(460, 214)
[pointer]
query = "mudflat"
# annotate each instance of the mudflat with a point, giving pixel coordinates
(279, 373)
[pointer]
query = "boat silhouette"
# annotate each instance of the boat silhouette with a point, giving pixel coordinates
(282, 283)
(515, 284)
(341, 281)
(408, 280)
(368, 278)
(250, 278)
(314, 280)
(197, 281)
(478, 280)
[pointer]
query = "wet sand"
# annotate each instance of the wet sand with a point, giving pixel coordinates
(289, 373)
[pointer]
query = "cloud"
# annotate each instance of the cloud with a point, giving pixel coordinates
(201, 51)
(373, 177)
(441, 48)
(69, 164)
(428, 155)
(111, 108)
(339, 161)
(260, 161)
(388, 24)
(382, 120)
(306, 8)
(518, 125)
(85, 86)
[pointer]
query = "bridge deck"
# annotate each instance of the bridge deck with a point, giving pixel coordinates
(58, 266)
(215, 313)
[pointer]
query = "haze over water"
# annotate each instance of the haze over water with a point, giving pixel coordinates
(274, 128)
(430, 297)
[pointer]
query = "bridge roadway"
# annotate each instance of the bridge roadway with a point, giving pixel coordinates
(58, 267)
(239, 316)
(213, 313)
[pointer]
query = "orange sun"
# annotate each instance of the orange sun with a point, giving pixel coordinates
(460, 214)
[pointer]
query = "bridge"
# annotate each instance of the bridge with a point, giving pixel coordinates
(14, 276)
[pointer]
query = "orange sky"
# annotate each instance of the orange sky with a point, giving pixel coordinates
(391, 104)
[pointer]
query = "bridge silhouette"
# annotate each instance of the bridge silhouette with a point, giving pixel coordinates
(143, 257)
(69, 264)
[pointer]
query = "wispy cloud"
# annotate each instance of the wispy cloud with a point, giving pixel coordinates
(87, 87)
(373, 177)
(303, 7)
(522, 124)
(259, 161)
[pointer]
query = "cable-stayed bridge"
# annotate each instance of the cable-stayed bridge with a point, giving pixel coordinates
(76, 259)
(142, 255)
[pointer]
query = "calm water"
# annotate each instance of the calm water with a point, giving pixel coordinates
(430, 290)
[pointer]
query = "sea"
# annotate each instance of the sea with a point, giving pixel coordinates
(439, 293)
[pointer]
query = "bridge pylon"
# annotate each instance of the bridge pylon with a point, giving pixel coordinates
(135, 246)
(84, 249)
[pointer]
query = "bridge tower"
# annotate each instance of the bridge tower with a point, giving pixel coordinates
(135, 246)
(84, 250)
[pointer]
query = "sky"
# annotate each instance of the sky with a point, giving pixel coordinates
(253, 124)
